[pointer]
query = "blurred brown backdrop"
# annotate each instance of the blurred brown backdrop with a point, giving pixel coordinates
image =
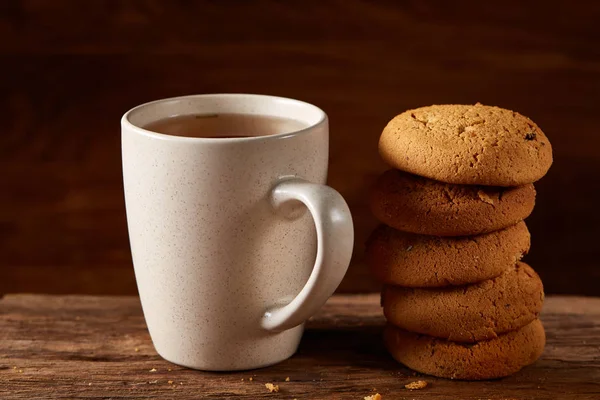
(70, 68)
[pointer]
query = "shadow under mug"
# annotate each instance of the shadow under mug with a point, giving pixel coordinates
(228, 261)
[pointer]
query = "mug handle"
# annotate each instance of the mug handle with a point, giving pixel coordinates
(335, 241)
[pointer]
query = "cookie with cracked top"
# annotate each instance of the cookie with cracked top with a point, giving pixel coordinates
(411, 260)
(415, 204)
(488, 359)
(467, 144)
(469, 313)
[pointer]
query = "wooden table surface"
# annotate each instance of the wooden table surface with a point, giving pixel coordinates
(82, 347)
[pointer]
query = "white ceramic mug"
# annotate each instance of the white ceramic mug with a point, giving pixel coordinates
(223, 248)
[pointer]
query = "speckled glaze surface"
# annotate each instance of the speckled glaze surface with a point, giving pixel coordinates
(228, 261)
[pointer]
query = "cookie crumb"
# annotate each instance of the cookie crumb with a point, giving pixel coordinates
(376, 396)
(153, 370)
(20, 370)
(170, 382)
(90, 384)
(287, 379)
(153, 382)
(272, 388)
(169, 369)
(483, 196)
(250, 379)
(416, 385)
(136, 349)
(15, 367)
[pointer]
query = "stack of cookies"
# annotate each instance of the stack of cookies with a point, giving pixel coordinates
(458, 300)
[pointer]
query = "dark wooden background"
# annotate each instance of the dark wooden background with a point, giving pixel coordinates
(70, 68)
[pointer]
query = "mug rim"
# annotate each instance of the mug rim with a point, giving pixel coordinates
(126, 122)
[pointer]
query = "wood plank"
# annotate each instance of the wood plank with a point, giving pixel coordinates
(69, 72)
(82, 347)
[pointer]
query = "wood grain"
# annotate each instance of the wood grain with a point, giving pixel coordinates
(80, 347)
(69, 72)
